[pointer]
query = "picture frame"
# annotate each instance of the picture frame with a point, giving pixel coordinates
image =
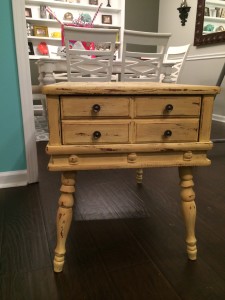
(106, 19)
(41, 31)
(93, 2)
(206, 13)
(30, 48)
(28, 12)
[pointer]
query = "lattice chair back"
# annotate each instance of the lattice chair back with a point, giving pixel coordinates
(89, 53)
(176, 54)
(144, 65)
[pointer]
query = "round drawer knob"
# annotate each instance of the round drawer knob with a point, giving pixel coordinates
(96, 108)
(96, 135)
(168, 133)
(169, 107)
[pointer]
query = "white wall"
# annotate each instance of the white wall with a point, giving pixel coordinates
(204, 63)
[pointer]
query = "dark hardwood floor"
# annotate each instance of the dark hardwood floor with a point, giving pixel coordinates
(126, 241)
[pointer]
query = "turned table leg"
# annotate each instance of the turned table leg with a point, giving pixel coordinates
(64, 217)
(189, 209)
(139, 175)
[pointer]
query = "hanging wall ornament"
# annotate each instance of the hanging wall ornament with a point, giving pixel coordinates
(183, 12)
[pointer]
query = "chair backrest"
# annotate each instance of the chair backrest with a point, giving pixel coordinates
(177, 55)
(145, 65)
(94, 64)
(221, 76)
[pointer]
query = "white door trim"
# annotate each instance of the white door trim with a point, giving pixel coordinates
(25, 89)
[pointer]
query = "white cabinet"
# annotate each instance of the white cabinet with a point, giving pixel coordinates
(51, 28)
(214, 19)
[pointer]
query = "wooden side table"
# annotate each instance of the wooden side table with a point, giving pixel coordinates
(127, 125)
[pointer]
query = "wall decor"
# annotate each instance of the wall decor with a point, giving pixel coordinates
(28, 12)
(106, 19)
(41, 31)
(201, 38)
(183, 12)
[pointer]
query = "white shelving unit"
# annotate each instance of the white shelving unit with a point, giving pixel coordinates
(217, 19)
(60, 8)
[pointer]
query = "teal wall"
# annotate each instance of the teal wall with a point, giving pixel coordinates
(12, 148)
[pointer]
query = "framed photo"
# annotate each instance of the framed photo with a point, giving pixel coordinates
(206, 13)
(106, 19)
(28, 12)
(40, 31)
(93, 2)
(30, 48)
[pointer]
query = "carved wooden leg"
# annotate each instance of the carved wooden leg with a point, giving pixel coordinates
(189, 209)
(139, 175)
(64, 217)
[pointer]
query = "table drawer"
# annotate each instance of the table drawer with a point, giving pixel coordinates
(103, 106)
(173, 130)
(168, 106)
(96, 132)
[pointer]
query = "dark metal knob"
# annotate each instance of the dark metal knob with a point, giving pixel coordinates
(169, 107)
(96, 135)
(168, 133)
(96, 108)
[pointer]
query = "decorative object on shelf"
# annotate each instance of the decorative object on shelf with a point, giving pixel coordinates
(218, 12)
(42, 48)
(30, 29)
(206, 13)
(43, 12)
(93, 2)
(208, 27)
(84, 20)
(30, 48)
(212, 12)
(108, 4)
(71, 1)
(56, 34)
(41, 31)
(68, 16)
(28, 12)
(183, 12)
(106, 19)
(220, 28)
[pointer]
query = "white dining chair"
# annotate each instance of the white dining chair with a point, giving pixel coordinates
(94, 64)
(176, 55)
(146, 64)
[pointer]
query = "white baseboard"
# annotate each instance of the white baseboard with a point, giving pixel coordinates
(13, 179)
(218, 118)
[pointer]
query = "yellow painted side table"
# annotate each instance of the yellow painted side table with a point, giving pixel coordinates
(127, 125)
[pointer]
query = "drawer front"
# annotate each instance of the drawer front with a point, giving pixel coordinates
(168, 106)
(78, 132)
(173, 130)
(104, 106)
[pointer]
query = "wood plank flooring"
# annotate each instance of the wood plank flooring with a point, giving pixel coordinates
(127, 242)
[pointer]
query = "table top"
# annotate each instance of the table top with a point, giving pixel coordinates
(125, 88)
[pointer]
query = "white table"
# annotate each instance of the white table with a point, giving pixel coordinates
(49, 67)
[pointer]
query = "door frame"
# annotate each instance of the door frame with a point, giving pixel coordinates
(25, 85)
